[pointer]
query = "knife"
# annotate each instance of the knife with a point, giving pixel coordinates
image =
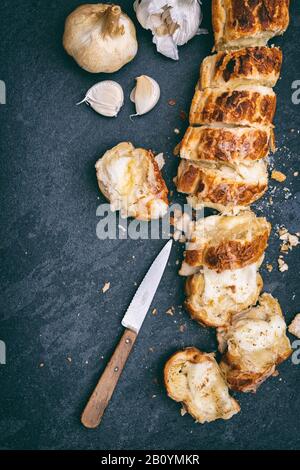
(132, 322)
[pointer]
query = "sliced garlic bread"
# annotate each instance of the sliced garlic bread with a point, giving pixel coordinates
(222, 186)
(194, 379)
(242, 23)
(248, 66)
(131, 180)
(254, 344)
(226, 144)
(212, 297)
(222, 242)
(246, 105)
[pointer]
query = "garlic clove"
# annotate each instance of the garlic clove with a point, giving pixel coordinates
(145, 94)
(106, 98)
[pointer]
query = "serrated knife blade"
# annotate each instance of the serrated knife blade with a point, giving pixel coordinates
(133, 320)
(140, 304)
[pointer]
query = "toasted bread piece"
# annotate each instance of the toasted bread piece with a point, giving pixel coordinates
(226, 144)
(222, 242)
(294, 327)
(249, 66)
(222, 186)
(243, 23)
(247, 105)
(130, 179)
(255, 343)
(212, 297)
(194, 379)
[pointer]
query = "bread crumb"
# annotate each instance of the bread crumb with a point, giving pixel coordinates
(151, 349)
(278, 176)
(284, 247)
(171, 102)
(282, 265)
(269, 267)
(176, 130)
(182, 328)
(69, 359)
(294, 327)
(296, 173)
(41, 365)
(106, 287)
(289, 240)
(154, 311)
(170, 311)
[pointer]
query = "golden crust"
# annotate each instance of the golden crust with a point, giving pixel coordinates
(255, 343)
(204, 395)
(215, 312)
(221, 185)
(136, 188)
(243, 106)
(228, 242)
(252, 65)
(225, 144)
(241, 23)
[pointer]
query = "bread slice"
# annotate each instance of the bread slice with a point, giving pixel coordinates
(254, 344)
(249, 66)
(226, 144)
(222, 186)
(130, 179)
(212, 297)
(241, 23)
(246, 105)
(222, 242)
(194, 378)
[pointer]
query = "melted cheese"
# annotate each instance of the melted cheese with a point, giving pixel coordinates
(208, 389)
(238, 284)
(254, 335)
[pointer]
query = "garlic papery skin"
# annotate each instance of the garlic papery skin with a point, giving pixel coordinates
(100, 37)
(106, 98)
(172, 22)
(145, 94)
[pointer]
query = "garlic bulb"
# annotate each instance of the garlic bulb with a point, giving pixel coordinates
(100, 37)
(145, 94)
(172, 22)
(105, 98)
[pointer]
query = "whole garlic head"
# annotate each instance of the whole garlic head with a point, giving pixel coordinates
(145, 94)
(100, 37)
(172, 22)
(106, 98)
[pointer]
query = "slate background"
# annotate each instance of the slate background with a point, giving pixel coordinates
(53, 266)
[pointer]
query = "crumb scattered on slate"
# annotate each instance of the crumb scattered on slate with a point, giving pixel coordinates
(278, 176)
(282, 265)
(170, 311)
(269, 267)
(106, 287)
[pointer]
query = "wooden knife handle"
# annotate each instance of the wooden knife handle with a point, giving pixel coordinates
(100, 397)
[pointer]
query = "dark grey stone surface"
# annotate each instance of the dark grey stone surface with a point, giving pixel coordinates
(53, 266)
